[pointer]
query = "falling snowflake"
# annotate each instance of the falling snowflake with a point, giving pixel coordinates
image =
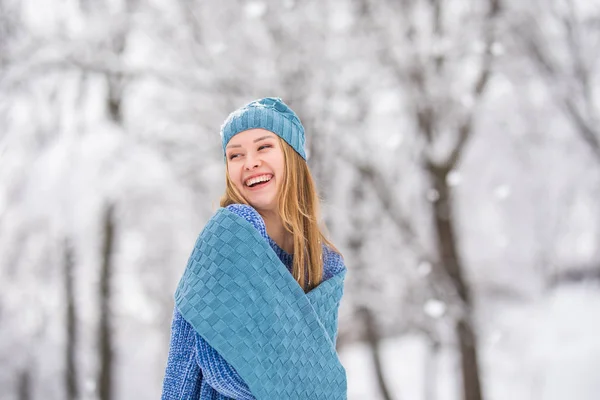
(502, 192)
(424, 268)
(255, 9)
(497, 49)
(217, 48)
(394, 141)
(495, 337)
(434, 308)
(432, 195)
(89, 385)
(453, 178)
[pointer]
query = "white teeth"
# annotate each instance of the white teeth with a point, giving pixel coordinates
(262, 178)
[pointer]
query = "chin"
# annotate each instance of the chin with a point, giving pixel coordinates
(262, 201)
(262, 204)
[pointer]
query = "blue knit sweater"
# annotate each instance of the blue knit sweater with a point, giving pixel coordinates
(197, 371)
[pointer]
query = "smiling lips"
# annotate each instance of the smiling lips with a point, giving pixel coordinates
(258, 180)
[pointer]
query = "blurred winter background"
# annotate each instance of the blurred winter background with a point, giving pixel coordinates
(456, 145)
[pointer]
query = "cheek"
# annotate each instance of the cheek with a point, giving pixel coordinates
(277, 163)
(234, 175)
(281, 167)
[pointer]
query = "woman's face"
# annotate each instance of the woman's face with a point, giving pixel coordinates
(255, 166)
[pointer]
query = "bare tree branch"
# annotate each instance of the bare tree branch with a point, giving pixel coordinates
(587, 132)
(175, 79)
(381, 187)
(466, 127)
(575, 99)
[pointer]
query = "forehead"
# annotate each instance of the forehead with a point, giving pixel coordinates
(248, 137)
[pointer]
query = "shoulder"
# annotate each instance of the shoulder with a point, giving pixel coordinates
(249, 214)
(333, 262)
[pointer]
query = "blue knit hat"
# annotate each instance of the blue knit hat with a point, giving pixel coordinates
(270, 113)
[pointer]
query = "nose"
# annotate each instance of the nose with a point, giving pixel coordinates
(252, 161)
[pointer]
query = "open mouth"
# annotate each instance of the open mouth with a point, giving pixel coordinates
(258, 181)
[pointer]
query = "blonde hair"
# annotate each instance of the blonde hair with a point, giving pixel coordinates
(298, 206)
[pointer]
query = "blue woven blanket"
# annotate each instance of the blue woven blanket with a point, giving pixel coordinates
(238, 295)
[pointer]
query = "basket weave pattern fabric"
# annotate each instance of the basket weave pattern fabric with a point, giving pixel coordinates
(238, 295)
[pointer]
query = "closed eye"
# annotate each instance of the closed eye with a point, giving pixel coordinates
(265, 146)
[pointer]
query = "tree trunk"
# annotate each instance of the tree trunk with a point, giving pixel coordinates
(71, 320)
(450, 261)
(355, 245)
(114, 101)
(105, 346)
(469, 360)
(372, 336)
(24, 385)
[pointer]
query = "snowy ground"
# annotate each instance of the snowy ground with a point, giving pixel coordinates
(547, 350)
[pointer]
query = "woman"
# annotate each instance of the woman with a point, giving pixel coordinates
(256, 309)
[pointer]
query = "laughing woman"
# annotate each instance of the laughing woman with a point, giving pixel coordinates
(256, 311)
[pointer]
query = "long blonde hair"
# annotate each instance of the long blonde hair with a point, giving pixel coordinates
(298, 205)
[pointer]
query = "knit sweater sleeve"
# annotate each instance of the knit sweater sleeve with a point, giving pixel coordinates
(333, 264)
(217, 372)
(183, 377)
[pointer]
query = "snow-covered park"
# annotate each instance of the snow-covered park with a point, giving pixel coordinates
(455, 146)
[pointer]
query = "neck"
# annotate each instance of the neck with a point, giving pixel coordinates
(277, 232)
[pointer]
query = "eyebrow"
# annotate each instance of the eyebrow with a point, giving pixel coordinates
(255, 140)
